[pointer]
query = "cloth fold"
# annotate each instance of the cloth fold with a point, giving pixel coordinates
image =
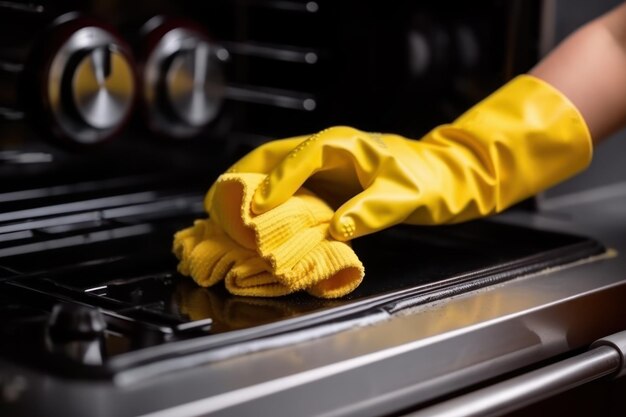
(281, 251)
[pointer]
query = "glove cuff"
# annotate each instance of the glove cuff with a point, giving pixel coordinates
(565, 112)
(529, 136)
(550, 137)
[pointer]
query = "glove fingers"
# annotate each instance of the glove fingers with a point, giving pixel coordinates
(289, 175)
(338, 149)
(383, 204)
(261, 160)
(265, 158)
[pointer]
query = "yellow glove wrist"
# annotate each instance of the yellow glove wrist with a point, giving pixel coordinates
(520, 140)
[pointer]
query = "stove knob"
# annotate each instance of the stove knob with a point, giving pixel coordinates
(87, 86)
(183, 83)
(101, 87)
(76, 332)
(73, 321)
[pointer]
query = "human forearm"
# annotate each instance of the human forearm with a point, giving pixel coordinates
(589, 67)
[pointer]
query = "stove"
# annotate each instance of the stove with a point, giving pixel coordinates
(96, 321)
(101, 274)
(90, 293)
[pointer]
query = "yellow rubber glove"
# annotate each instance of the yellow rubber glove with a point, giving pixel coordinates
(520, 140)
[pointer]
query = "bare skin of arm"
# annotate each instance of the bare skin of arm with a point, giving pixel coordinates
(589, 67)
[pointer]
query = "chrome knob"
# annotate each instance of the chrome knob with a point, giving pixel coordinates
(194, 84)
(76, 332)
(88, 87)
(102, 88)
(183, 83)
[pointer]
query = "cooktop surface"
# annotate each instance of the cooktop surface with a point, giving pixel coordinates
(87, 276)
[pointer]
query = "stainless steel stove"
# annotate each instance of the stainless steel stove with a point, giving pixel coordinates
(94, 318)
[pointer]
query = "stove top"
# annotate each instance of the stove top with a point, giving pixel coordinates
(89, 288)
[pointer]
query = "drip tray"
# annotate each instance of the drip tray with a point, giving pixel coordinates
(152, 312)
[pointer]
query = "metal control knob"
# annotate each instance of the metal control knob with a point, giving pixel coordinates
(183, 82)
(76, 332)
(88, 86)
(75, 322)
(102, 87)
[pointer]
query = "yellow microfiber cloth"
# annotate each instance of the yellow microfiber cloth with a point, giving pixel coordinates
(283, 250)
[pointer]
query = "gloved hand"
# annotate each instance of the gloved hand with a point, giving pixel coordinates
(520, 140)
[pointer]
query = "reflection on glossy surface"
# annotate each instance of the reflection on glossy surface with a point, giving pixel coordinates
(232, 312)
(146, 303)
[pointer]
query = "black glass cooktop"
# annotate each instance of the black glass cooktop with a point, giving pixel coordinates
(87, 276)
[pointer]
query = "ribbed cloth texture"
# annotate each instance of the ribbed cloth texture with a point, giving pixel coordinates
(284, 250)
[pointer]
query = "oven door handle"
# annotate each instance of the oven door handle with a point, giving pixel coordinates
(606, 356)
